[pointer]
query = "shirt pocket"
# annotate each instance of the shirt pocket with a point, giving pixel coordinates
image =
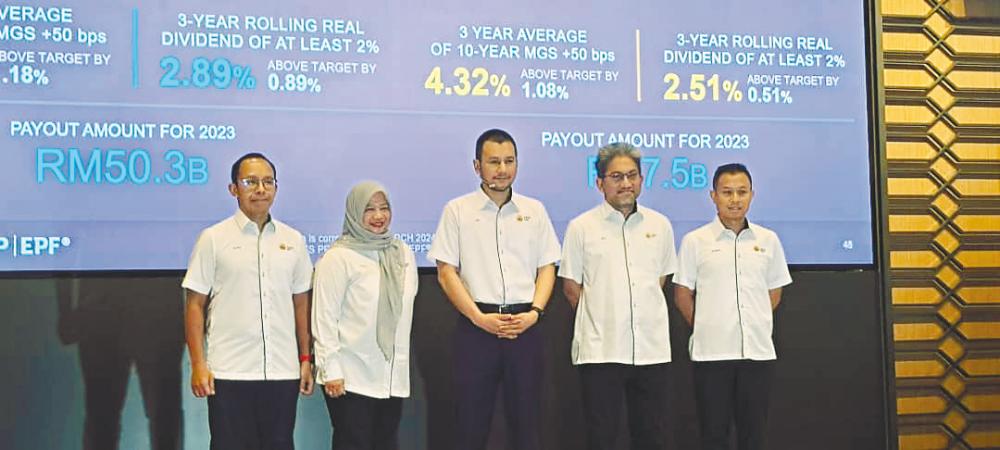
(754, 267)
(522, 235)
(601, 253)
(716, 261)
(646, 250)
(282, 259)
(477, 235)
(237, 260)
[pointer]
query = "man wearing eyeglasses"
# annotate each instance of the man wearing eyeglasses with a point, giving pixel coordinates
(616, 259)
(253, 274)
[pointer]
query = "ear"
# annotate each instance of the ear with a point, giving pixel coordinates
(600, 184)
(477, 167)
(712, 195)
(233, 191)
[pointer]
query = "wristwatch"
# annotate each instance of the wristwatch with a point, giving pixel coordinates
(540, 311)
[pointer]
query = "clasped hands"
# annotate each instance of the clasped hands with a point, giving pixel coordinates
(506, 326)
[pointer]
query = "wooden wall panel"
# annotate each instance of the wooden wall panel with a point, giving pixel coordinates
(942, 111)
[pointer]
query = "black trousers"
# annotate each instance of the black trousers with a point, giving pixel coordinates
(646, 394)
(482, 362)
(729, 391)
(253, 415)
(364, 423)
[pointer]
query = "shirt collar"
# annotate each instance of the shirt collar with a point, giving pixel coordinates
(489, 204)
(610, 213)
(245, 224)
(719, 230)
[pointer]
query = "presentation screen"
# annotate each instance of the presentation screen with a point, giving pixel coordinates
(121, 120)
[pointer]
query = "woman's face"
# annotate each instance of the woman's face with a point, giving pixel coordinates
(377, 214)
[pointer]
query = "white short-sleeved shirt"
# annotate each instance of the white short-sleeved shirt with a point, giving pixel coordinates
(731, 276)
(249, 277)
(622, 314)
(345, 317)
(497, 250)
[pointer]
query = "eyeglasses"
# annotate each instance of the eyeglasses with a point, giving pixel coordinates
(268, 183)
(618, 177)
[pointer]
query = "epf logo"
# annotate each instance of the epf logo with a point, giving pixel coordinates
(34, 245)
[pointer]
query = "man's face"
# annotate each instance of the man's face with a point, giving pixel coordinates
(498, 166)
(621, 184)
(732, 196)
(254, 188)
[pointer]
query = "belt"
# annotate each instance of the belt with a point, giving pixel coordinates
(510, 308)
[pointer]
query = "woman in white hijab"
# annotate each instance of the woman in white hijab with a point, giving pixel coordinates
(363, 291)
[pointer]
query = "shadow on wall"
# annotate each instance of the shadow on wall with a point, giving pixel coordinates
(117, 326)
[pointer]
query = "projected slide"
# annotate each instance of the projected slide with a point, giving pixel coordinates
(121, 119)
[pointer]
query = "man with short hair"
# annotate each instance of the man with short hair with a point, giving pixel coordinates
(248, 285)
(728, 282)
(616, 260)
(495, 252)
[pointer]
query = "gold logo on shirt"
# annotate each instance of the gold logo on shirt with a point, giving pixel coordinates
(521, 218)
(759, 249)
(285, 246)
(650, 235)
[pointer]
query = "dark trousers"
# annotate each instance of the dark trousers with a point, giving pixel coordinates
(646, 394)
(729, 391)
(482, 362)
(364, 423)
(253, 415)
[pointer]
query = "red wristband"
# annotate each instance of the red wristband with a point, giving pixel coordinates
(304, 358)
